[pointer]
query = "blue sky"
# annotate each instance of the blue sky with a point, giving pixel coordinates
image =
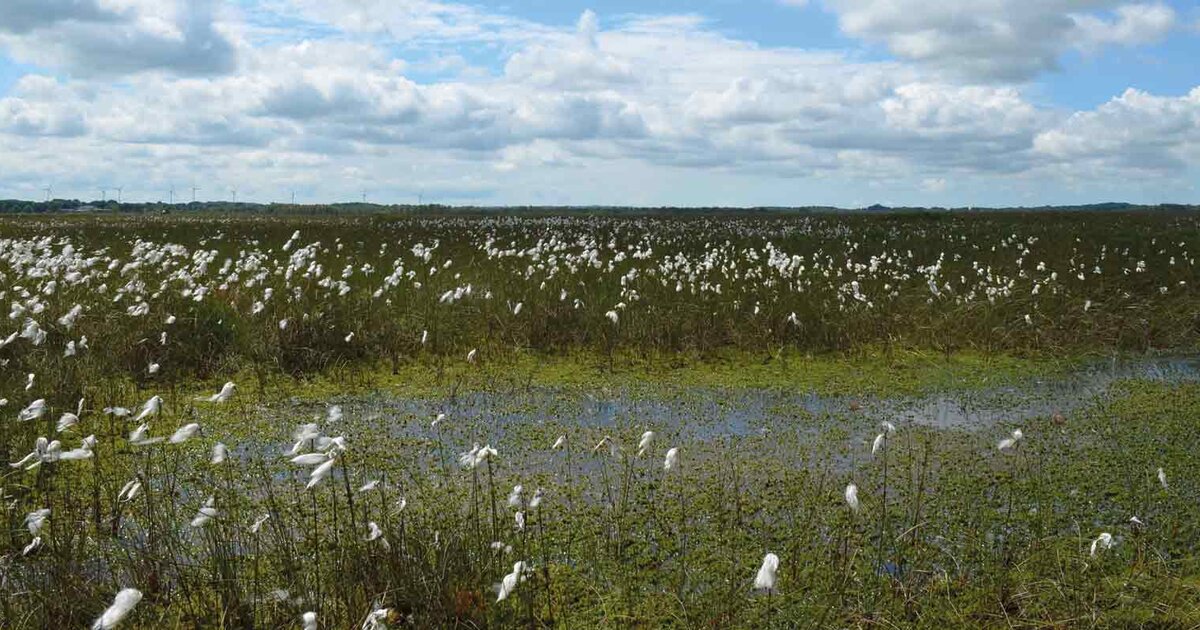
(760, 102)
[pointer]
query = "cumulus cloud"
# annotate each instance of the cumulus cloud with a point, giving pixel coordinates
(1132, 24)
(571, 63)
(999, 40)
(117, 37)
(23, 16)
(1135, 131)
(424, 21)
(41, 106)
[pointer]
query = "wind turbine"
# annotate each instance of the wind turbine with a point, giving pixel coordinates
(194, 189)
(49, 190)
(118, 194)
(293, 197)
(234, 191)
(172, 194)
(103, 195)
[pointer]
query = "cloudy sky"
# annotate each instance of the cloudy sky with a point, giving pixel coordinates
(709, 102)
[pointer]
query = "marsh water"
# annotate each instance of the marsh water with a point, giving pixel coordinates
(701, 414)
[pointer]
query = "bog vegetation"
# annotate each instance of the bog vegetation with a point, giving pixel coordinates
(171, 463)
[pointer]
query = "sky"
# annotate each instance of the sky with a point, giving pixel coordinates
(647, 103)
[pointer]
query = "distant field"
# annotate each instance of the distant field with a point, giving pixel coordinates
(300, 295)
(373, 359)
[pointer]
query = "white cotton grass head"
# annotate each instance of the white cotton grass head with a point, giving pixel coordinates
(319, 473)
(35, 410)
(852, 497)
(671, 461)
(1011, 441)
(140, 437)
(559, 443)
(644, 442)
(219, 454)
(1162, 478)
(514, 497)
(510, 581)
(149, 408)
(309, 619)
(129, 491)
(226, 393)
(765, 579)
(1103, 542)
(256, 526)
(122, 604)
(310, 459)
(66, 421)
(376, 619)
(879, 443)
(185, 433)
(35, 520)
(468, 458)
(207, 512)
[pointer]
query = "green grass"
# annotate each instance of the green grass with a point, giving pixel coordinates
(867, 374)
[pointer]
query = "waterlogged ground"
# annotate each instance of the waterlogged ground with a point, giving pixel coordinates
(537, 414)
(945, 529)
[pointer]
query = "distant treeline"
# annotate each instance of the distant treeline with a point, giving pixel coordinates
(12, 206)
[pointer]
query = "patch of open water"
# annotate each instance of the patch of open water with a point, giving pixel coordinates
(706, 414)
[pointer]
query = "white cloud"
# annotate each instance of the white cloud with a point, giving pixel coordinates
(570, 63)
(1134, 132)
(117, 37)
(41, 106)
(951, 110)
(1133, 24)
(934, 184)
(422, 21)
(1002, 40)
